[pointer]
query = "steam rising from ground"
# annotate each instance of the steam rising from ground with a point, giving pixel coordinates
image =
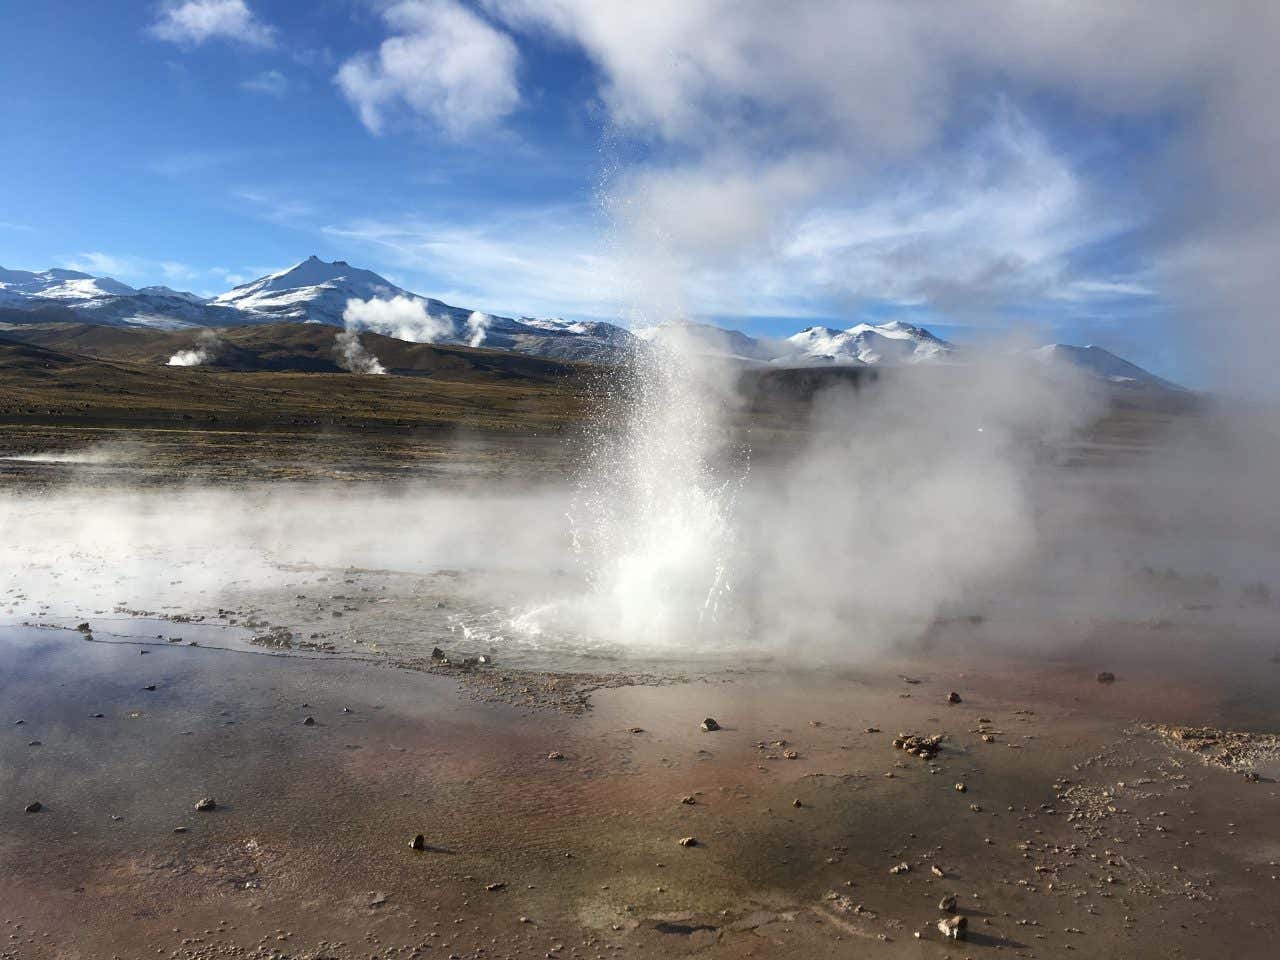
(352, 355)
(206, 349)
(478, 327)
(401, 317)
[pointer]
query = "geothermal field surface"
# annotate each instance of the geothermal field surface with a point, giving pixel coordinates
(351, 690)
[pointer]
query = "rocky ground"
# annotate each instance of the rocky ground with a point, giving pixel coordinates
(1042, 813)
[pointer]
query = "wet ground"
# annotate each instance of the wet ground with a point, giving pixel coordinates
(1081, 829)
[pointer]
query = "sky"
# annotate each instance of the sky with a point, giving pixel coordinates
(1072, 171)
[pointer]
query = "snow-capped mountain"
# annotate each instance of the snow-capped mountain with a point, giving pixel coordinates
(309, 292)
(107, 301)
(59, 285)
(316, 291)
(892, 342)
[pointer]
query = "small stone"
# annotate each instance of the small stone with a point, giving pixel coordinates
(961, 788)
(437, 653)
(796, 802)
(205, 804)
(635, 729)
(873, 730)
(948, 903)
(689, 800)
(953, 928)
(953, 697)
(143, 653)
(790, 754)
(900, 868)
(710, 725)
(35, 806)
(419, 842)
(308, 721)
(1251, 776)
(555, 755)
(688, 841)
(1106, 676)
(84, 628)
(494, 887)
(179, 829)
(936, 871)
(149, 686)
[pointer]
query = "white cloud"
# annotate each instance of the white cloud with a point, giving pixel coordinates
(444, 63)
(192, 22)
(269, 205)
(729, 96)
(140, 270)
(271, 82)
(545, 261)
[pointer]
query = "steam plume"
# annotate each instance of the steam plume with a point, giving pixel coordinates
(206, 348)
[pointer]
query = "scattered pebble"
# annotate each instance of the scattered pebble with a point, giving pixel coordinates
(710, 725)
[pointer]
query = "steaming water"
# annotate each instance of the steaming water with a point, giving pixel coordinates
(653, 527)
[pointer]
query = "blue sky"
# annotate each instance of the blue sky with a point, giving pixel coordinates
(760, 168)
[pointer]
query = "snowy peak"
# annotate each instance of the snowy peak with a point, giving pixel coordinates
(863, 343)
(60, 284)
(312, 272)
(312, 291)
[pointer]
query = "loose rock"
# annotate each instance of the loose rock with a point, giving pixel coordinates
(419, 842)
(205, 804)
(710, 725)
(953, 697)
(953, 928)
(35, 806)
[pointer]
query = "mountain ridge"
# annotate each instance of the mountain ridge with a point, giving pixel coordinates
(337, 294)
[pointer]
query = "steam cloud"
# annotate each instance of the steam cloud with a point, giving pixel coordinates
(401, 317)
(206, 349)
(352, 355)
(478, 327)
